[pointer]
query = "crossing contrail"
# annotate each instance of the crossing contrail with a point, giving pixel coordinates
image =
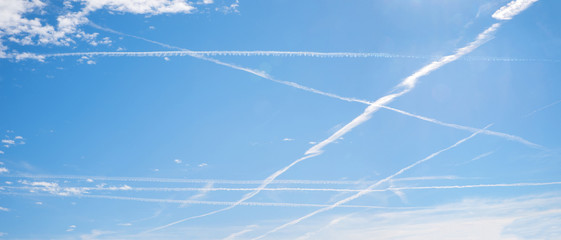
(365, 191)
(286, 189)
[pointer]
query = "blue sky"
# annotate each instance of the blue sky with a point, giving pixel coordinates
(168, 119)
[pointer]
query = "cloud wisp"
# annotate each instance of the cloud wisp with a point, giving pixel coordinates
(365, 191)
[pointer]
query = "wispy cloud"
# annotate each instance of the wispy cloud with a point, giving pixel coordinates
(528, 217)
(235, 235)
(4, 209)
(365, 191)
(512, 9)
(53, 188)
(329, 225)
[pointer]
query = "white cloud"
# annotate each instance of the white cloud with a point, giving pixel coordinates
(4, 209)
(208, 1)
(8, 141)
(94, 234)
(39, 203)
(178, 161)
(512, 9)
(1, 152)
(530, 217)
(288, 139)
(54, 188)
(203, 165)
(17, 27)
(2, 234)
(125, 224)
(71, 228)
(4, 170)
(89, 180)
(18, 137)
(8, 182)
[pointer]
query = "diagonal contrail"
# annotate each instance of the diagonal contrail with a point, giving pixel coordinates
(507, 12)
(404, 87)
(365, 191)
(203, 56)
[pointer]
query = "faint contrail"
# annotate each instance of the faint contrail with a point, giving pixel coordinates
(214, 189)
(365, 191)
(247, 196)
(542, 108)
(217, 181)
(182, 53)
(471, 129)
(242, 232)
(218, 203)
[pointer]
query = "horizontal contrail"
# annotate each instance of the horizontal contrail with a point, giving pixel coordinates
(182, 53)
(203, 56)
(217, 181)
(214, 189)
(216, 203)
(365, 191)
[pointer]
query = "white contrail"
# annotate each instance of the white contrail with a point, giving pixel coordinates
(542, 108)
(262, 74)
(247, 196)
(471, 129)
(365, 191)
(242, 232)
(213, 189)
(218, 203)
(182, 53)
(217, 181)
(406, 85)
(512, 9)
(331, 223)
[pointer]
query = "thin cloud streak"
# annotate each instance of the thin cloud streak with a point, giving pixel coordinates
(217, 181)
(215, 189)
(543, 108)
(182, 53)
(247, 196)
(365, 191)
